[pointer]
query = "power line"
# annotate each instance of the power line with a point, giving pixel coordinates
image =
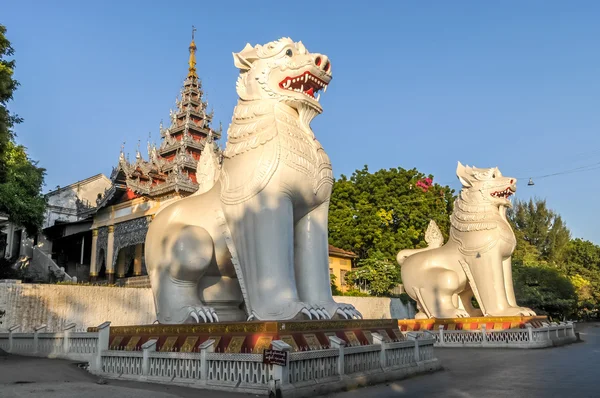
(580, 169)
(564, 159)
(589, 167)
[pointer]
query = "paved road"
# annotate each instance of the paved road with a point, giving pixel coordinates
(569, 371)
(55, 378)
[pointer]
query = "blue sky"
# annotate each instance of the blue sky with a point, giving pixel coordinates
(418, 84)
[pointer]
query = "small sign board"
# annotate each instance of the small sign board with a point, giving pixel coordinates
(275, 357)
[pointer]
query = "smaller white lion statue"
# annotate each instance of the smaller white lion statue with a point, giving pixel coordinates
(476, 260)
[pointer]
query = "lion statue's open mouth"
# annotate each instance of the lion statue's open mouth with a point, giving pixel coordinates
(306, 83)
(284, 71)
(503, 194)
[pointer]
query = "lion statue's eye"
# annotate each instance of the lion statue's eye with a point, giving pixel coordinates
(289, 52)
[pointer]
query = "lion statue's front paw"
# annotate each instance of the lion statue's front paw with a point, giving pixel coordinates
(461, 314)
(316, 311)
(524, 311)
(287, 310)
(198, 314)
(343, 311)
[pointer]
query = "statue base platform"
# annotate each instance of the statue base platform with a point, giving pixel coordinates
(491, 323)
(252, 337)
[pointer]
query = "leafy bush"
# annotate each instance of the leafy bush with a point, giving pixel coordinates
(378, 273)
(355, 293)
(545, 290)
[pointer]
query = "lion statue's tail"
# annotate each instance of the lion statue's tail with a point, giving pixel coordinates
(433, 237)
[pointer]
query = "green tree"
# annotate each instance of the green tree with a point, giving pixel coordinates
(381, 213)
(21, 180)
(525, 252)
(378, 274)
(544, 289)
(583, 253)
(538, 229)
(587, 303)
(7, 86)
(581, 264)
(543, 241)
(20, 195)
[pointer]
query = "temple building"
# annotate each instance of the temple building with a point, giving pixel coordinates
(63, 245)
(65, 240)
(140, 188)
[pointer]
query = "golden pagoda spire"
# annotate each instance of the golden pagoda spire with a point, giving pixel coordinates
(192, 61)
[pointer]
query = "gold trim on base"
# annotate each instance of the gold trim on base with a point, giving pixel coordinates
(255, 327)
(481, 319)
(496, 323)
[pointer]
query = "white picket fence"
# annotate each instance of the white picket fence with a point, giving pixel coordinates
(546, 336)
(77, 346)
(305, 373)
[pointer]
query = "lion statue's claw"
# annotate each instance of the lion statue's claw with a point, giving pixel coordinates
(306, 312)
(524, 311)
(530, 312)
(317, 312)
(200, 314)
(344, 311)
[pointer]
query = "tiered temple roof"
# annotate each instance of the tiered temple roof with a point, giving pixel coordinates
(171, 168)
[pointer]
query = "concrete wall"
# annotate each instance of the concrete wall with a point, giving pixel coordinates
(379, 307)
(30, 305)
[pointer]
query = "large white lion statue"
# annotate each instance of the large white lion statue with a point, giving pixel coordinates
(476, 260)
(259, 235)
